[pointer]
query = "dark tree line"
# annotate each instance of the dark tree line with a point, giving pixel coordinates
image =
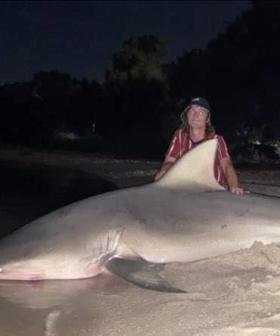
(135, 110)
(238, 72)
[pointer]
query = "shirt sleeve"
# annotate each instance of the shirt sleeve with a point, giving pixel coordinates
(174, 148)
(222, 148)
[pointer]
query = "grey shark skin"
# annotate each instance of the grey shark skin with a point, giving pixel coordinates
(185, 216)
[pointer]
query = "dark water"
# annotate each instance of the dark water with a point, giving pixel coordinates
(30, 191)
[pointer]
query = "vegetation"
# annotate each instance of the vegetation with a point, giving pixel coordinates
(135, 110)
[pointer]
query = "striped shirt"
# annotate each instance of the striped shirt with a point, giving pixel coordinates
(181, 143)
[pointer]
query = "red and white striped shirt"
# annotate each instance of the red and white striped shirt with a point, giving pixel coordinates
(181, 143)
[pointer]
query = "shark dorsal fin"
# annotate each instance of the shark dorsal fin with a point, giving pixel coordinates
(194, 170)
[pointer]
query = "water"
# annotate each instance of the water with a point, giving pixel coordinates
(28, 192)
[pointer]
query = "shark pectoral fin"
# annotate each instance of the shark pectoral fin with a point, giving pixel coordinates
(141, 273)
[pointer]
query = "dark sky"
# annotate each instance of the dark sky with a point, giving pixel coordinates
(79, 37)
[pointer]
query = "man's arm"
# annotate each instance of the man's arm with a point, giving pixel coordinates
(170, 156)
(231, 176)
(164, 168)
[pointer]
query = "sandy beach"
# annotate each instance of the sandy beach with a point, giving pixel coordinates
(127, 172)
(237, 294)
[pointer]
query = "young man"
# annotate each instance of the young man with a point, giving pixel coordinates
(195, 128)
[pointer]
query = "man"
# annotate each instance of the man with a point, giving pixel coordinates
(195, 128)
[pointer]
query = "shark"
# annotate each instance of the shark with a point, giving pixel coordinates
(184, 217)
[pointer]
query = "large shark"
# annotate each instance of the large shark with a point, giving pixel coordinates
(183, 217)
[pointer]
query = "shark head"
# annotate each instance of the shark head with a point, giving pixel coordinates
(194, 170)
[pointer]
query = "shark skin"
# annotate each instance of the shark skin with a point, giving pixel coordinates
(183, 217)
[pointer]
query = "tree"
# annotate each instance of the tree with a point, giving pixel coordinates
(138, 58)
(136, 85)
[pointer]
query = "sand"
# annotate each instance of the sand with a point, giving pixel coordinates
(232, 295)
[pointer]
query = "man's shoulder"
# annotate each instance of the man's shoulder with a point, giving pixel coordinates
(220, 138)
(180, 132)
(216, 136)
(212, 135)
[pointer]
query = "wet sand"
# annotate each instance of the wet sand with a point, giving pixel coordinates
(237, 294)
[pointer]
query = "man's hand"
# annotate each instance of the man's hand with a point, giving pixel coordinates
(239, 191)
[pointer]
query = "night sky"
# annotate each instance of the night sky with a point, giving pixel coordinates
(79, 38)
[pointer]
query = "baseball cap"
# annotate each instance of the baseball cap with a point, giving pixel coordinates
(200, 102)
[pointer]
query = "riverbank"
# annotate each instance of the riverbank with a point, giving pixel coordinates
(128, 172)
(122, 172)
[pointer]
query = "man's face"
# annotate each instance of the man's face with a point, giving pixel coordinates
(197, 116)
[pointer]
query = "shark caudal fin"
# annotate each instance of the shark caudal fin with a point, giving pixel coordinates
(194, 170)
